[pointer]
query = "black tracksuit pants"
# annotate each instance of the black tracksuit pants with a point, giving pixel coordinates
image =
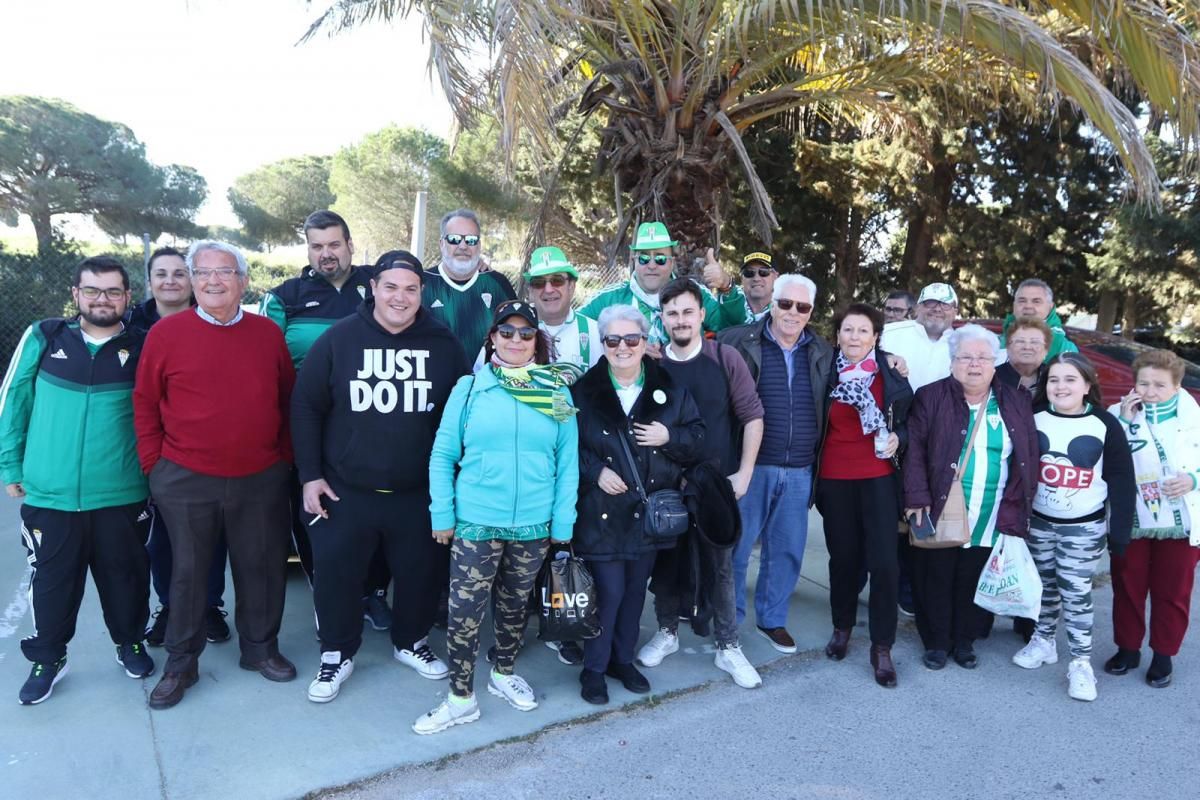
(378, 575)
(343, 546)
(860, 533)
(62, 546)
(944, 584)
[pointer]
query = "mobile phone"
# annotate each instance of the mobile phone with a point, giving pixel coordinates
(925, 529)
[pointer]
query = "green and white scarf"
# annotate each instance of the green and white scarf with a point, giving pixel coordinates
(542, 387)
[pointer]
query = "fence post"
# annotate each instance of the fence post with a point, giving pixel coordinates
(416, 245)
(146, 262)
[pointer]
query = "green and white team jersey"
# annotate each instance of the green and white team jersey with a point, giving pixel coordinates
(466, 308)
(986, 473)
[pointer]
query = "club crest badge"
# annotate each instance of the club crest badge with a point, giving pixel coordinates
(122, 356)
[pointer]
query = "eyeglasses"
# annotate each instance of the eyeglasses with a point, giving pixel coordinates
(901, 310)
(761, 272)
(786, 305)
(630, 339)
(507, 331)
(455, 239)
(223, 274)
(660, 259)
(556, 281)
(974, 359)
(91, 292)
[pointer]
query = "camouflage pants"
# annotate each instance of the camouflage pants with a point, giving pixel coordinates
(474, 567)
(1066, 555)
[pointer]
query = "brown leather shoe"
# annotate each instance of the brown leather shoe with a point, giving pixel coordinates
(171, 687)
(836, 649)
(779, 638)
(276, 668)
(885, 670)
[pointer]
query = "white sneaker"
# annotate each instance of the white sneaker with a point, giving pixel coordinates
(333, 673)
(1081, 681)
(1039, 651)
(733, 661)
(450, 712)
(423, 661)
(514, 689)
(661, 645)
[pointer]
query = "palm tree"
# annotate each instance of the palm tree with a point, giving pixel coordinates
(675, 84)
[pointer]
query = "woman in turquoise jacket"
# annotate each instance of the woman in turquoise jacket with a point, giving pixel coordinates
(504, 477)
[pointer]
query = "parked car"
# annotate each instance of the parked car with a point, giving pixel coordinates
(1112, 356)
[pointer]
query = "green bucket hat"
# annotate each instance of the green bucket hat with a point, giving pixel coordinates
(549, 261)
(651, 236)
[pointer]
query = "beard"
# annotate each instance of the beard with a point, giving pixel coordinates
(461, 268)
(682, 339)
(100, 317)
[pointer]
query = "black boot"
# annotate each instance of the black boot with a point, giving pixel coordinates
(1159, 674)
(1122, 662)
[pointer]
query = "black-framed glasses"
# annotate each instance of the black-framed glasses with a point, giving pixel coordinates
(631, 340)
(455, 239)
(659, 259)
(92, 292)
(508, 331)
(761, 272)
(557, 281)
(898, 310)
(787, 305)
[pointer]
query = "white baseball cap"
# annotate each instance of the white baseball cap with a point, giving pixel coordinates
(942, 292)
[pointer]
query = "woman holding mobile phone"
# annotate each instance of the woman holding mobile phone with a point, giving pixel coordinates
(1162, 424)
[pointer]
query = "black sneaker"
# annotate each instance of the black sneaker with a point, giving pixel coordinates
(568, 652)
(1122, 662)
(376, 610)
(934, 659)
(41, 680)
(157, 633)
(216, 629)
(135, 659)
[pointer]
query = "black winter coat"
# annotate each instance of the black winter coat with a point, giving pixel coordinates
(609, 527)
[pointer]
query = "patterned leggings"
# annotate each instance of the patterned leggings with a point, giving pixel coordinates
(1066, 555)
(474, 567)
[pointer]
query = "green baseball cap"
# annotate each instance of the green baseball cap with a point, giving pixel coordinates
(549, 261)
(652, 236)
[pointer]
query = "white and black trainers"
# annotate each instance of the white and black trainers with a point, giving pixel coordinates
(514, 689)
(334, 671)
(423, 661)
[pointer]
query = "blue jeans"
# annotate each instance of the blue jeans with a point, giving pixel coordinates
(775, 510)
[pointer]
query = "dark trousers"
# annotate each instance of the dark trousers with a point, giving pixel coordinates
(620, 595)
(716, 584)
(860, 533)
(62, 546)
(1165, 569)
(378, 575)
(944, 584)
(159, 548)
(252, 511)
(343, 546)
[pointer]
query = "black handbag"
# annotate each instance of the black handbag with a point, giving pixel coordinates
(665, 516)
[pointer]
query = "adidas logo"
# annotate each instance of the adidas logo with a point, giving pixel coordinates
(58, 354)
(437, 304)
(312, 303)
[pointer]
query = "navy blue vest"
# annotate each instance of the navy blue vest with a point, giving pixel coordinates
(789, 415)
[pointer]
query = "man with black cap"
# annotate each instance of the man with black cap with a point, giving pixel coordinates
(758, 283)
(366, 408)
(329, 289)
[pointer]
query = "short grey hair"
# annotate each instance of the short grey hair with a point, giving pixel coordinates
(784, 281)
(973, 333)
(211, 244)
(1039, 283)
(465, 213)
(621, 313)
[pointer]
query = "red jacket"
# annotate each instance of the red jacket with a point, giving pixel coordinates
(937, 430)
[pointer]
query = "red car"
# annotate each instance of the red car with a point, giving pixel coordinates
(1112, 357)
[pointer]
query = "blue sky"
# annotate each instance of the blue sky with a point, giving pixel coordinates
(220, 85)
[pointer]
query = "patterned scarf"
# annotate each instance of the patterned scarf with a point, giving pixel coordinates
(854, 389)
(541, 387)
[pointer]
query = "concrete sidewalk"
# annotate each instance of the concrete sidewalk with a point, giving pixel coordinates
(238, 735)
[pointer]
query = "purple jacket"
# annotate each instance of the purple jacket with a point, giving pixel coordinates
(937, 430)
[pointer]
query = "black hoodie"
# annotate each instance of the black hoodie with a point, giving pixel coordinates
(367, 403)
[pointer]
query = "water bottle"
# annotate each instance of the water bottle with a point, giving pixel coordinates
(1167, 474)
(881, 442)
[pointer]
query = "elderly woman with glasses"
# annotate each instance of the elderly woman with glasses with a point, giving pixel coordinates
(629, 408)
(999, 481)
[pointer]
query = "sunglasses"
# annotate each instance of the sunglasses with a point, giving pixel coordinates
(630, 339)
(660, 259)
(455, 239)
(557, 281)
(507, 331)
(761, 272)
(786, 305)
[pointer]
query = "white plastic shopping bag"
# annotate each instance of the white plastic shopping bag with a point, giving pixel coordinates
(1009, 583)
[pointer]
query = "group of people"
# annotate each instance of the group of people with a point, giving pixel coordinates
(431, 431)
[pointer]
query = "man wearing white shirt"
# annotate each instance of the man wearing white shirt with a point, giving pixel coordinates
(552, 279)
(922, 342)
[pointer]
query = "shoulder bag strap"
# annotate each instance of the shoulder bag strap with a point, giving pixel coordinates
(637, 478)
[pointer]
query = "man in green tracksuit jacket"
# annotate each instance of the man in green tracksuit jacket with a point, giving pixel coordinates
(652, 266)
(1034, 299)
(67, 448)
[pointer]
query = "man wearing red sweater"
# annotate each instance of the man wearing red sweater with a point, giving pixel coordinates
(210, 410)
